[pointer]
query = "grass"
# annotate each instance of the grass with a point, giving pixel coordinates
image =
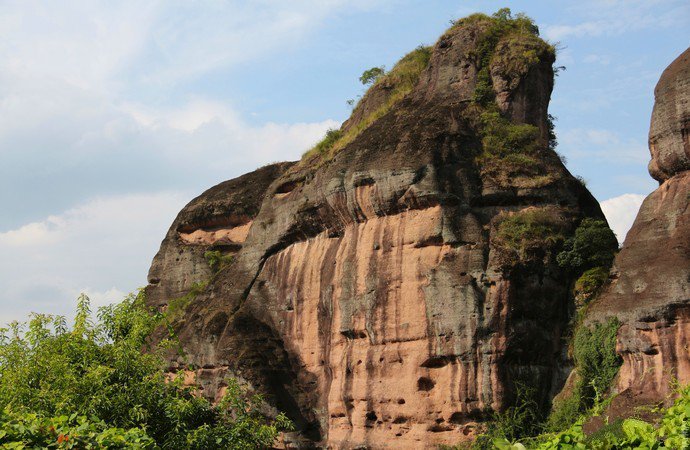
(177, 306)
(591, 280)
(217, 260)
(529, 232)
(399, 81)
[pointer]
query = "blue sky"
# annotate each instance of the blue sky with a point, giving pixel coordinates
(114, 115)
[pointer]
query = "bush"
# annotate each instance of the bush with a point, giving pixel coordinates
(529, 233)
(591, 280)
(553, 140)
(217, 260)
(371, 75)
(332, 136)
(671, 433)
(501, 137)
(597, 363)
(178, 305)
(593, 245)
(27, 430)
(92, 384)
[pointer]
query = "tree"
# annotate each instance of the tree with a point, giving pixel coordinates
(94, 387)
(594, 245)
(370, 76)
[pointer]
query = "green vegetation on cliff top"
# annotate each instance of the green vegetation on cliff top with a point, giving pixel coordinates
(398, 83)
(508, 48)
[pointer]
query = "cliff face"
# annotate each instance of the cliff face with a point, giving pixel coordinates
(650, 287)
(376, 295)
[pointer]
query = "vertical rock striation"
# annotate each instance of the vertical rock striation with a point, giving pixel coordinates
(375, 296)
(650, 287)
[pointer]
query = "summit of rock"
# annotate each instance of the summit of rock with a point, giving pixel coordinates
(388, 289)
(669, 132)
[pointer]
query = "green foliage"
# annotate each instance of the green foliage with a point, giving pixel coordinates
(507, 148)
(501, 137)
(671, 433)
(509, 43)
(371, 75)
(594, 352)
(553, 140)
(591, 280)
(216, 259)
(594, 244)
(27, 430)
(528, 233)
(177, 306)
(326, 144)
(92, 387)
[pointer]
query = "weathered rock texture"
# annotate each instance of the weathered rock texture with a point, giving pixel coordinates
(368, 297)
(650, 289)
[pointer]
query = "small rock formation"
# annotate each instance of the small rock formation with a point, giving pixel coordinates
(378, 296)
(650, 287)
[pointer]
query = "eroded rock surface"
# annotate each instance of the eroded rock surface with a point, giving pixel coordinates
(669, 132)
(369, 298)
(650, 289)
(218, 219)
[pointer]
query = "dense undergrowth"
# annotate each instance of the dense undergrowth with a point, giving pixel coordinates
(671, 432)
(91, 386)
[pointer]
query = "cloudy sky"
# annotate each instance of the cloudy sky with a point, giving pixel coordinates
(114, 114)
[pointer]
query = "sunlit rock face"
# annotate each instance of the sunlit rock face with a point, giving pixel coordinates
(366, 296)
(669, 132)
(650, 289)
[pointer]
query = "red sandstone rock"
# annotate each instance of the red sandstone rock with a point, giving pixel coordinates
(669, 132)
(369, 300)
(650, 287)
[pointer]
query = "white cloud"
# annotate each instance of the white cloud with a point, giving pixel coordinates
(621, 212)
(88, 248)
(99, 45)
(102, 94)
(616, 17)
(98, 97)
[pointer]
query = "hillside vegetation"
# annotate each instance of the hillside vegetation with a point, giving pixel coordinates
(91, 386)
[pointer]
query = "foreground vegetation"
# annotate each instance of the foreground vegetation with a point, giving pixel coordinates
(92, 386)
(672, 432)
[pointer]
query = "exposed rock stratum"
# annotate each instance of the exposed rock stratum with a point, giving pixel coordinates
(371, 294)
(650, 288)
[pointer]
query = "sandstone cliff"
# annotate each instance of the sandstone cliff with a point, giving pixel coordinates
(650, 287)
(388, 290)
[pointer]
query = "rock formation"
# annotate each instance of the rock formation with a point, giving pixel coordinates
(377, 294)
(650, 287)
